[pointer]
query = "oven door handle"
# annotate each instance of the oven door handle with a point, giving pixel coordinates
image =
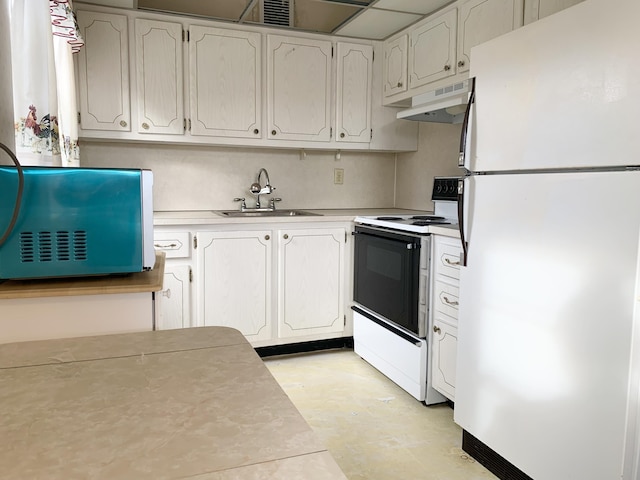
(405, 336)
(410, 246)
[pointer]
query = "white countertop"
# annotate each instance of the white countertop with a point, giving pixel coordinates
(211, 217)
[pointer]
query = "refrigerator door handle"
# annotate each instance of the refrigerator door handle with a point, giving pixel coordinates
(463, 240)
(465, 125)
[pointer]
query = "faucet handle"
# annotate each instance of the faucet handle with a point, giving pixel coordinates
(273, 202)
(240, 199)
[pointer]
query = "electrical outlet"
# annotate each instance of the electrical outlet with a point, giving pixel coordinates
(338, 176)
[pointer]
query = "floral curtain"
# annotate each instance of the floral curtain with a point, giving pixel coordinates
(44, 37)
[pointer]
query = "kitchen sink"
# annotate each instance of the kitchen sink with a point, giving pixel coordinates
(271, 213)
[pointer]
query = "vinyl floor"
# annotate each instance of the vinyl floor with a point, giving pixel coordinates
(373, 428)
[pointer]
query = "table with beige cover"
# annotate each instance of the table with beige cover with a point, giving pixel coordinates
(194, 403)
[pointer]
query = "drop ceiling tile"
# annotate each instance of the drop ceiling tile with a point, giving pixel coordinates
(377, 24)
(422, 7)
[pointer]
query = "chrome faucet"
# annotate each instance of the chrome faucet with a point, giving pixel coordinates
(257, 189)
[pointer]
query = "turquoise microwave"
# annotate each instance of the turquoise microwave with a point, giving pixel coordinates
(75, 222)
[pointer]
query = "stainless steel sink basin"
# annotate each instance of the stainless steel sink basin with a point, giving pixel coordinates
(274, 213)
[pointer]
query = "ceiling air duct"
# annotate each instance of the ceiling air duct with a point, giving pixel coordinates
(277, 12)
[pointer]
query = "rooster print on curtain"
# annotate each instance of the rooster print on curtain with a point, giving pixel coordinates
(41, 136)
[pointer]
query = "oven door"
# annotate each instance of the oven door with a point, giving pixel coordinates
(386, 275)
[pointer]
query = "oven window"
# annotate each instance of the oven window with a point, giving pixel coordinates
(384, 262)
(386, 275)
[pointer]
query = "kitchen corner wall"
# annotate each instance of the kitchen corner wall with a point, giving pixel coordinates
(208, 178)
(437, 156)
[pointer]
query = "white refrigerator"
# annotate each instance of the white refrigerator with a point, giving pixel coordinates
(549, 342)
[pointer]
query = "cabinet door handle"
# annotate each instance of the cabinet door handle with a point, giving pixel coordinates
(166, 293)
(285, 236)
(145, 126)
(123, 123)
(171, 245)
(342, 135)
(453, 303)
(267, 237)
(436, 329)
(447, 68)
(461, 63)
(273, 132)
(449, 262)
(399, 84)
(256, 131)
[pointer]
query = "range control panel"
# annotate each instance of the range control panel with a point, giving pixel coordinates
(445, 188)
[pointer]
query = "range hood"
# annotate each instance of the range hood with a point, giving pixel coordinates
(443, 105)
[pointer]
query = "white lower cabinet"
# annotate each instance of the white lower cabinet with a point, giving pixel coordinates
(173, 302)
(234, 284)
(443, 335)
(278, 285)
(311, 281)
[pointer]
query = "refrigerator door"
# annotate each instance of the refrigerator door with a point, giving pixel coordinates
(546, 318)
(562, 92)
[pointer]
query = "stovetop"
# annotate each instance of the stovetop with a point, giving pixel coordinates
(406, 223)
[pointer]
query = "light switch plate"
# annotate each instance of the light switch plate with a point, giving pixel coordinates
(338, 176)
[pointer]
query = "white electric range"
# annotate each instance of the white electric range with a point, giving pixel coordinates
(392, 285)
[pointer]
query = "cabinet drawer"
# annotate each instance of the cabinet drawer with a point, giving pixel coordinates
(174, 244)
(445, 299)
(447, 257)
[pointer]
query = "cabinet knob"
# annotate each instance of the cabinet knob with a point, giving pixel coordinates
(123, 123)
(436, 329)
(461, 63)
(256, 131)
(145, 126)
(447, 68)
(342, 135)
(399, 84)
(285, 236)
(267, 237)
(166, 293)
(273, 132)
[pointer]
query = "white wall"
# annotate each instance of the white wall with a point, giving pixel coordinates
(208, 178)
(437, 156)
(7, 135)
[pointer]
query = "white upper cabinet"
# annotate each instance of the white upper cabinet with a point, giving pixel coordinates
(537, 9)
(394, 75)
(432, 51)
(353, 92)
(225, 82)
(482, 20)
(298, 88)
(159, 77)
(103, 67)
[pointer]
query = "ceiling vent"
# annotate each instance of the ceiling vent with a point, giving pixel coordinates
(277, 12)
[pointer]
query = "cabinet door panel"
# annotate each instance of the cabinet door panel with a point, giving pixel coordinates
(103, 67)
(353, 95)
(444, 351)
(299, 88)
(225, 82)
(311, 282)
(235, 283)
(173, 302)
(395, 67)
(159, 77)
(432, 54)
(482, 20)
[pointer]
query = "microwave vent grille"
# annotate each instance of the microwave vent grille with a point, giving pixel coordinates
(61, 246)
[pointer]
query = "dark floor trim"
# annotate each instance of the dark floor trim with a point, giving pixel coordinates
(344, 342)
(491, 460)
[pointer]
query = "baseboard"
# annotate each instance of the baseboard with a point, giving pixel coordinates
(302, 347)
(489, 459)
